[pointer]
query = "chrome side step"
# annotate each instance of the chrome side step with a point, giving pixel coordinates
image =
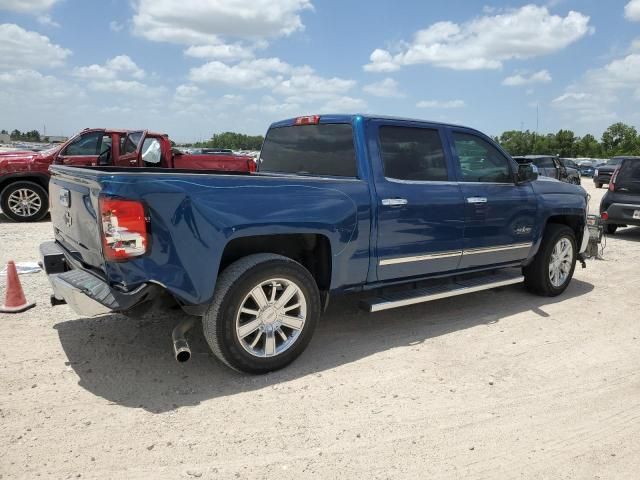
(457, 287)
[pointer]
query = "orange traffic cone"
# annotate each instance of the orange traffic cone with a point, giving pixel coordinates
(15, 300)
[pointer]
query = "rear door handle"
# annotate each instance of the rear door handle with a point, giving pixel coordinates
(394, 202)
(476, 199)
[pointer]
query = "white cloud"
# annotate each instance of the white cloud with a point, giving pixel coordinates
(387, 88)
(27, 6)
(127, 87)
(632, 11)
(381, 61)
(441, 104)
(343, 104)
(309, 86)
(604, 91)
(543, 76)
(227, 52)
(20, 48)
(271, 106)
(251, 74)
(41, 89)
(486, 42)
(47, 21)
(115, 26)
(120, 65)
(188, 91)
(197, 22)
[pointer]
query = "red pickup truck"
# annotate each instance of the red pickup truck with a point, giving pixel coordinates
(24, 175)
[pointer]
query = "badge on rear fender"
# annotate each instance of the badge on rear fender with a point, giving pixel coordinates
(67, 218)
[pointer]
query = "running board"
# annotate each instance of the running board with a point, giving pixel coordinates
(452, 289)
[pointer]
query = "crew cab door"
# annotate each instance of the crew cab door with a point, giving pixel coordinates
(83, 150)
(129, 149)
(420, 212)
(499, 214)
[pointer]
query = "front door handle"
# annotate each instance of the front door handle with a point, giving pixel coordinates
(394, 202)
(476, 199)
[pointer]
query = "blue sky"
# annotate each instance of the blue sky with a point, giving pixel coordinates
(194, 67)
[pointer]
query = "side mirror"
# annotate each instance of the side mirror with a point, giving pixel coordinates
(527, 172)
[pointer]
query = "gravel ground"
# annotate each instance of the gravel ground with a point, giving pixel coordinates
(497, 384)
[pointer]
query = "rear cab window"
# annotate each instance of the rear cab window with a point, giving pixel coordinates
(324, 149)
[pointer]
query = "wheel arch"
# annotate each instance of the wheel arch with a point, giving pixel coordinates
(311, 250)
(39, 178)
(574, 221)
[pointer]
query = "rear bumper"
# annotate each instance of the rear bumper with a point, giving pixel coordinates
(602, 179)
(83, 291)
(622, 213)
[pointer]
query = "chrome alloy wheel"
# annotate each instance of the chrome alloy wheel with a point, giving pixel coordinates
(24, 202)
(271, 317)
(561, 262)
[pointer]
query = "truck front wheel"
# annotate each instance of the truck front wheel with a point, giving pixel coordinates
(24, 201)
(552, 268)
(264, 312)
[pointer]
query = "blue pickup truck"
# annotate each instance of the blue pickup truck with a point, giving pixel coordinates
(403, 211)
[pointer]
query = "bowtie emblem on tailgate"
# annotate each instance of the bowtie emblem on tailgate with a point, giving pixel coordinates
(65, 198)
(68, 220)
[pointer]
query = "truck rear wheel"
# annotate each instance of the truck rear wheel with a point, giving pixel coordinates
(552, 268)
(264, 312)
(24, 201)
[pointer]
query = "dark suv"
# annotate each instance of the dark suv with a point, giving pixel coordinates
(603, 171)
(620, 206)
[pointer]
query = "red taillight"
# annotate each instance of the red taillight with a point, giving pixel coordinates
(308, 120)
(124, 229)
(251, 164)
(604, 216)
(612, 182)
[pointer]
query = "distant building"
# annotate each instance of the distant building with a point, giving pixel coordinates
(5, 138)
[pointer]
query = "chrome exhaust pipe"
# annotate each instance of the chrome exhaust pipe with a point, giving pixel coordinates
(181, 348)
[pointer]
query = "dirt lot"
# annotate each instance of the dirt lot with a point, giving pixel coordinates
(499, 384)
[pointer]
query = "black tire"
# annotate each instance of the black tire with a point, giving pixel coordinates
(598, 185)
(536, 274)
(29, 186)
(233, 286)
(611, 229)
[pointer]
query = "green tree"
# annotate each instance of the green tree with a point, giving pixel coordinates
(620, 139)
(234, 141)
(566, 143)
(588, 146)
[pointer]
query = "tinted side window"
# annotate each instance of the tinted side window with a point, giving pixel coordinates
(412, 154)
(545, 162)
(480, 161)
(129, 144)
(86, 144)
(325, 149)
(629, 171)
